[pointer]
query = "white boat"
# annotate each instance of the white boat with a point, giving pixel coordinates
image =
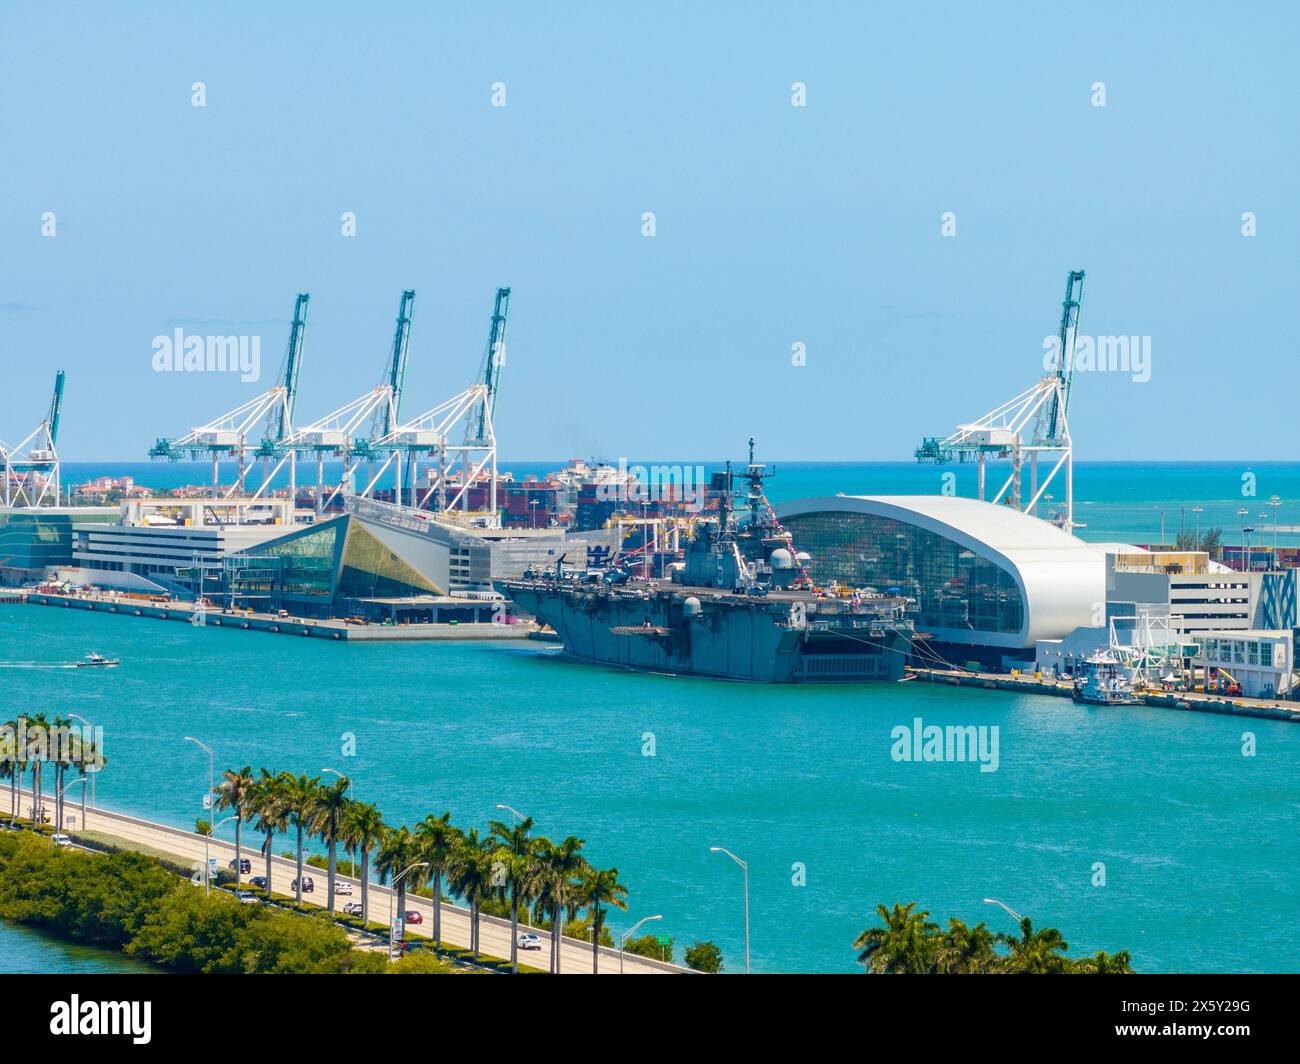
(94, 660)
(1105, 682)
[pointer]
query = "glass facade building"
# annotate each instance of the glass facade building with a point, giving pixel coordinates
(308, 571)
(956, 588)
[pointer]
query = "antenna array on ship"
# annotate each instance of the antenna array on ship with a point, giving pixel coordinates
(32, 467)
(1033, 423)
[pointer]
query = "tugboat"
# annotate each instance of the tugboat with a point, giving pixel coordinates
(98, 661)
(1105, 682)
(739, 606)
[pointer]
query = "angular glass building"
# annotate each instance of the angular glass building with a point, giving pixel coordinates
(983, 576)
(310, 571)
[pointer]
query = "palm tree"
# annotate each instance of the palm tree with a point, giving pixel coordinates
(600, 889)
(1036, 952)
(235, 791)
(327, 817)
(38, 752)
(904, 946)
(437, 839)
(966, 950)
(1104, 963)
(555, 879)
(300, 799)
(363, 830)
(514, 851)
(398, 851)
(266, 802)
(470, 875)
(61, 755)
(9, 763)
(90, 756)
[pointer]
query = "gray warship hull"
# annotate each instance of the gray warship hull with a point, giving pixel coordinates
(782, 637)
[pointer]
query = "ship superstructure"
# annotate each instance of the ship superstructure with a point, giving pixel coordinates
(739, 605)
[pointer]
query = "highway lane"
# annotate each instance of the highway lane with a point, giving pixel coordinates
(494, 934)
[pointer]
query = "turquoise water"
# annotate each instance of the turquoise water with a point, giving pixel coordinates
(1198, 842)
(1113, 500)
(25, 951)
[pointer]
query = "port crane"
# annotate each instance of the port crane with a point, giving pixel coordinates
(228, 435)
(1032, 424)
(428, 433)
(32, 467)
(343, 433)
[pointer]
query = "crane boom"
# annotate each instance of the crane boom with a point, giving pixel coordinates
(56, 405)
(397, 365)
(1065, 351)
(292, 367)
(493, 359)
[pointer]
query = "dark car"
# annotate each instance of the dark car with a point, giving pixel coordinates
(258, 881)
(308, 885)
(245, 865)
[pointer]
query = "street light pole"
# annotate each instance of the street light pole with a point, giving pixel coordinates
(745, 868)
(517, 814)
(628, 934)
(211, 806)
(1014, 915)
(391, 894)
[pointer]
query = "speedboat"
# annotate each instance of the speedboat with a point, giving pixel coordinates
(94, 660)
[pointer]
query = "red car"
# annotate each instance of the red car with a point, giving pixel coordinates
(414, 917)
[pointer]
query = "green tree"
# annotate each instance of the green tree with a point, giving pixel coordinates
(470, 875)
(704, 957)
(327, 818)
(1102, 963)
(555, 879)
(398, 852)
(966, 950)
(362, 832)
(905, 945)
(300, 800)
(1036, 952)
(266, 803)
(437, 838)
(515, 853)
(600, 891)
(235, 792)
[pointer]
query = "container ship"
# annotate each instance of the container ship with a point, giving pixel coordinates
(738, 606)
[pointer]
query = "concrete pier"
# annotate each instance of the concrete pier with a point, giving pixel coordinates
(314, 628)
(1188, 701)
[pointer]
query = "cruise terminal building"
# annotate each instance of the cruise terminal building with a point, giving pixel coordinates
(989, 581)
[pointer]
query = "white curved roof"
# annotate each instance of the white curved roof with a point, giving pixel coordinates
(1062, 579)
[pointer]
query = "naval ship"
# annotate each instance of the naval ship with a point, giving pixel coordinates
(739, 605)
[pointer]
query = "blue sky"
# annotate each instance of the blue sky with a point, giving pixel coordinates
(775, 225)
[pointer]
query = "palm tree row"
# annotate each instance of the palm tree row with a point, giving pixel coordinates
(908, 943)
(509, 866)
(30, 743)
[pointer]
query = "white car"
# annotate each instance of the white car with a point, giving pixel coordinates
(246, 897)
(61, 840)
(530, 941)
(352, 908)
(343, 888)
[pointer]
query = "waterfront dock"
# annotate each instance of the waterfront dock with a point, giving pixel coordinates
(187, 848)
(1187, 701)
(315, 628)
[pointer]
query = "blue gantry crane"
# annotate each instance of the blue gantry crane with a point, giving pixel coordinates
(32, 467)
(228, 436)
(1034, 423)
